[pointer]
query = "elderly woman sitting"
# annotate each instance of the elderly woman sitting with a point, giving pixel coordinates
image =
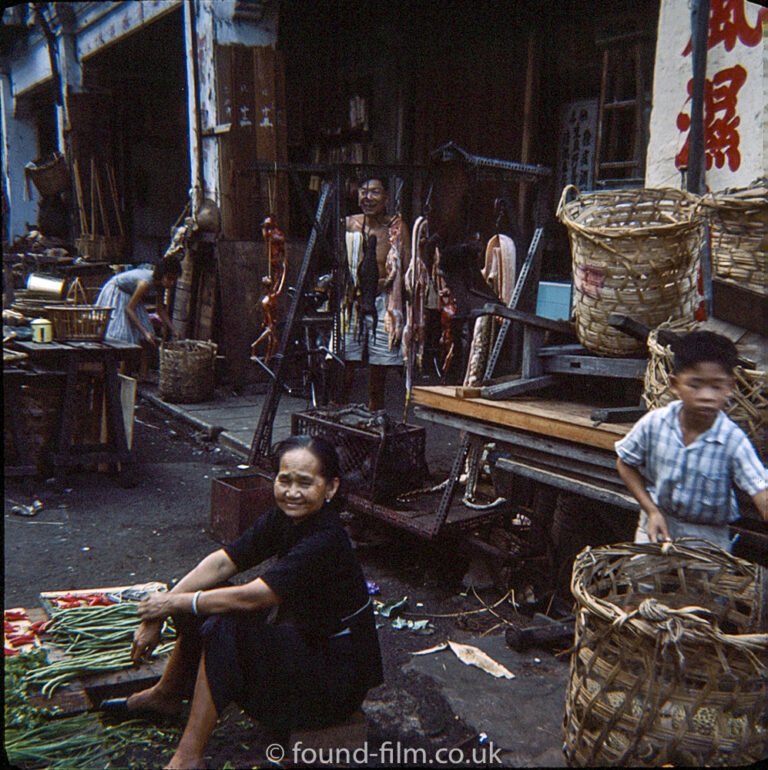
(308, 666)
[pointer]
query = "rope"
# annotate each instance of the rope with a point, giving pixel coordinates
(483, 506)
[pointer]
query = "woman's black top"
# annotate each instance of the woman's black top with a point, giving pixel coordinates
(316, 576)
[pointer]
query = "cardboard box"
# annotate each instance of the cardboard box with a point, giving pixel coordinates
(237, 500)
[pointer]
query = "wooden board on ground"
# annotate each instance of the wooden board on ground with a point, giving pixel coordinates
(86, 692)
(46, 597)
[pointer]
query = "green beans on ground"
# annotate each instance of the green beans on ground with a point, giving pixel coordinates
(79, 741)
(62, 671)
(94, 640)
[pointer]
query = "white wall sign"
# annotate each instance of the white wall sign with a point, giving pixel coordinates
(735, 109)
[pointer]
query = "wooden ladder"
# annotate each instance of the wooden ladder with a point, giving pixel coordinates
(621, 115)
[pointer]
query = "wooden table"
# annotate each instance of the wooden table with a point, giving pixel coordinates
(550, 441)
(65, 359)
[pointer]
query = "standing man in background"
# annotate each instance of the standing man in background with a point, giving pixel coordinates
(377, 247)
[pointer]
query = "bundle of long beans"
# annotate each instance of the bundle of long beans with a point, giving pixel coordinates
(94, 639)
(76, 742)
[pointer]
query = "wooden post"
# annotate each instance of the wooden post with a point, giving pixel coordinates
(531, 82)
(700, 39)
(695, 178)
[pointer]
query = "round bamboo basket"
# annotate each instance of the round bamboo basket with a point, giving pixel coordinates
(747, 407)
(187, 374)
(738, 227)
(634, 252)
(670, 660)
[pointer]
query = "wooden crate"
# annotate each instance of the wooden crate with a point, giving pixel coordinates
(237, 500)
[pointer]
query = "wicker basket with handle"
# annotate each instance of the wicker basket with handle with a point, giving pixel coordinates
(748, 406)
(670, 661)
(49, 175)
(79, 323)
(634, 252)
(738, 226)
(187, 373)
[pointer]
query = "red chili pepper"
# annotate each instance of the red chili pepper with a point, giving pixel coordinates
(99, 601)
(17, 641)
(39, 627)
(15, 615)
(8, 626)
(68, 603)
(8, 652)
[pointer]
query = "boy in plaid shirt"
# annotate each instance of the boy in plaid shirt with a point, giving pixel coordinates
(681, 461)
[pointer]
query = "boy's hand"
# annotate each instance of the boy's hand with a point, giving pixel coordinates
(657, 527)
(761, 503)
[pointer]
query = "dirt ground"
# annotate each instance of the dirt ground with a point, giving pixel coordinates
(97, 533)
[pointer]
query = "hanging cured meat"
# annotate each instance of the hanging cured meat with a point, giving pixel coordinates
(394, 276)
(367, 286)
(416, 280)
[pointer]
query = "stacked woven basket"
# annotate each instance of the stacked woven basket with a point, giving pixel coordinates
(738, 225)
(635, 252)
(747, 407)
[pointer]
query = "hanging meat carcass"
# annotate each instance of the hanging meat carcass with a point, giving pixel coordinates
(393, 322)
(367, 287)
(416, 281)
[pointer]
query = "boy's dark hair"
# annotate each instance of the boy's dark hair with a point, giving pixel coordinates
(704, 347)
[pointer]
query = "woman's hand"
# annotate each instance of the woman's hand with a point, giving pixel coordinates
(145, 638)
(150, 338)
(156, 606)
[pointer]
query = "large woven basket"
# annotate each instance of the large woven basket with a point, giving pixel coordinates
(80, 323)
(187, 371)
(748, 406)
(738, 226)
(670, 661)
(634, 252)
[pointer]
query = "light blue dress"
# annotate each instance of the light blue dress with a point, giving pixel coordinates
(116, 293)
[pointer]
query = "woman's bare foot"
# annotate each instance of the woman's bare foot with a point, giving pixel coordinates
(183, 762)
(152, 699)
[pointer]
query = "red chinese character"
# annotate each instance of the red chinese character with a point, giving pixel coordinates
(728, 22)
(721, 121)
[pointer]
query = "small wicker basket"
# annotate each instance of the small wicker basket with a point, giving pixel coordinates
(187, 371)
(670, 661)
(748, 407)
(738, 226)
(635, 252)
(49, 175)
(79, 323)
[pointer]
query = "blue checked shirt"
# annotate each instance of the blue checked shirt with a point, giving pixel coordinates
(693, 483)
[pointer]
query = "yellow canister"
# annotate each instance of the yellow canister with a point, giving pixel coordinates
(42, 330)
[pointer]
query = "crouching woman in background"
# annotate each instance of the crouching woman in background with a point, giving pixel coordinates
(130, 322)
(308, 666)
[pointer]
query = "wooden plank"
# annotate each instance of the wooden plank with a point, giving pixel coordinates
(568, 484)
(560, 419)
(517, 387)
(740, 306)
(587, 456)
(628, 368)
